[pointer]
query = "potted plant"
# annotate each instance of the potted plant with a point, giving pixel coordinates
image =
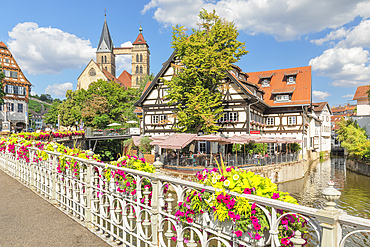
(146, 148)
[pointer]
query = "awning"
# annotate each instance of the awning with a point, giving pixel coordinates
(136, 140)
(266, 140)
(213, 138)
(177, 141)
(266, 75)
(291, 72)
(238, 140)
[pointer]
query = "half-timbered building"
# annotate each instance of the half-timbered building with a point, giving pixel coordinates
(17, 88)
(274, 103)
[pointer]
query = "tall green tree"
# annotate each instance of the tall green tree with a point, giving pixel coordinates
(52, 116)
(2, 93)
(205, 55)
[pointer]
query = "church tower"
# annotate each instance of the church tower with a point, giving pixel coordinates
(140, 59)
(104, 54)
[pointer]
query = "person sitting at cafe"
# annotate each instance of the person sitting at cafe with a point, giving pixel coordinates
(192, 159)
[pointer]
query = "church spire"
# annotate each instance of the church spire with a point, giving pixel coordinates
(105, 42)
(140, 29)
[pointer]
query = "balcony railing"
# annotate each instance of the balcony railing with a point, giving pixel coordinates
(147, 217)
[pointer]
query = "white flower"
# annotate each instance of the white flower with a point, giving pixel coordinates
(227, 183)
(236, 177)
(106, 165)
(214, 180)
(204, 173)
(218, 177)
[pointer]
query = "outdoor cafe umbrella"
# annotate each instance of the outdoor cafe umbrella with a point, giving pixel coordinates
(213, 138)
(113, 124)
(177, 141)
(238, 140)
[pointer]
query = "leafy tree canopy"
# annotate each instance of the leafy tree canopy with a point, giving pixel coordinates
(101, 104)
(205, 55)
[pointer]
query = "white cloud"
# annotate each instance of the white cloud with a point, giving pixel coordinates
(123, 62)
(33, 93)
(319, 95)
(333, 35)
(46, 50)
(347, 63)
(284, 19)
(58, 89)
(348, 96)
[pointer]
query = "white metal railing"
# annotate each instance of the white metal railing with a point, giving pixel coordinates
(147, 217)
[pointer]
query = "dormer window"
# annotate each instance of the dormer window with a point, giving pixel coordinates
(291, 80)
(282, 97)
(266, 82)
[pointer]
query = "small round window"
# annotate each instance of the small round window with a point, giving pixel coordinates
(92, 72)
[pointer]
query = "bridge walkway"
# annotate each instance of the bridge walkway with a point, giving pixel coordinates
(26, 219)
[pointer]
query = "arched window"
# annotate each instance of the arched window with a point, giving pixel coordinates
(141, 58)
(141, 69)
(137, 69)
(137, 57)
(137, 80)
(105, 59)
(102, 59)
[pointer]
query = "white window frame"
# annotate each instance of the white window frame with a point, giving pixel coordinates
(291, 79)
(158, 118)
(282, 97)
(265, 82)
(270, 121)
(233, 116)
(165, 91)
(223, 118)
(20, 107)
(292, 120)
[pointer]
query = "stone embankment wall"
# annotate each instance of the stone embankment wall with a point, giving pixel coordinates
(284, 172)
(358, 166)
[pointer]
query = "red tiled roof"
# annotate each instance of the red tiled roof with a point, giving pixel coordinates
(125, 78)
(266, 75)
(301, 94)
(319, 106)
(139, 40)
(2, 44)
(112, 78)
(146, 86)
(287, 89)
(361, 92)
(340, 108)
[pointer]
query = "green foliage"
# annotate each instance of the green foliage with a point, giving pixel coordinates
(353, 138)
(2, 93)
(52, 116)
(294, 147)
(145, 146)
(205, 57)
(103, 103)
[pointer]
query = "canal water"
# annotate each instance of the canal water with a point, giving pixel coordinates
(355, 189)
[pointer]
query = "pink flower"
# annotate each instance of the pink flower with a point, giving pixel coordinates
(257, 236)
(253, 206)
(180, 203)
(275, 196)
(257, 227)
(285, 241)
(254, 220)
(284, 222)
(239, 233)
(190, 220)
(247, 191)
(231, 214)
(128, 184)
(133, 192)
(229, 170)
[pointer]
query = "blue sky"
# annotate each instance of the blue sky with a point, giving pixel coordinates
(53, 41)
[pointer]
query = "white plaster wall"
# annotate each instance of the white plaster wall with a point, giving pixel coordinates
(363, 107)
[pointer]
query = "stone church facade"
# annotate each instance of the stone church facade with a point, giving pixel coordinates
(105, 65)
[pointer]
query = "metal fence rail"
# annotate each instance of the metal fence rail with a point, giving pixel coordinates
(147, 217)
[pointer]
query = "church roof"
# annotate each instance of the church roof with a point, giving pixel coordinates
(139, 40)
(105, 42)
(125, 79)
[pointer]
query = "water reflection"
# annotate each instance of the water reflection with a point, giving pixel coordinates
(355, 189)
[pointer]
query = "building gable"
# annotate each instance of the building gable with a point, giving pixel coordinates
(91, 73)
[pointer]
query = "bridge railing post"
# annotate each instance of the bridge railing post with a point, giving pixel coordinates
(88, 184)
(155, 202)
(328, 218)
(17, 165)
(32, 166)
(54, 177)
